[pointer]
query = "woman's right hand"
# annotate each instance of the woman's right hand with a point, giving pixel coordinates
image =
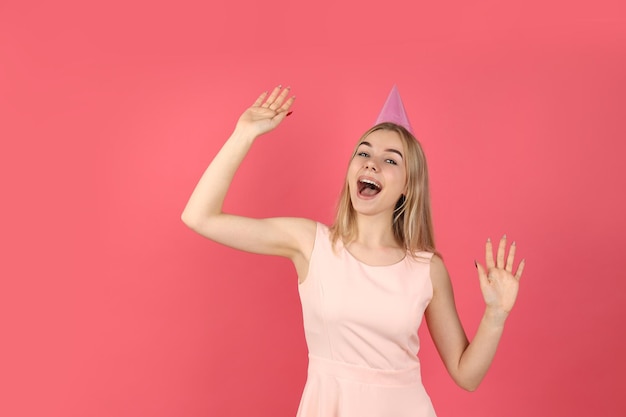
(266, 113)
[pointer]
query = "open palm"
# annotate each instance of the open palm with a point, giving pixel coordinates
(267, 112)
(498, 283)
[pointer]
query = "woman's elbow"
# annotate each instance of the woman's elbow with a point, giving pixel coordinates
(467, 384)
(469, 387)
(189, 220)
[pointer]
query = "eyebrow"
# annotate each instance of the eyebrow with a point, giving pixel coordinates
(366, 143)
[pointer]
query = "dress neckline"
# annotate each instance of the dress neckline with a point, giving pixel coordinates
(369, 265)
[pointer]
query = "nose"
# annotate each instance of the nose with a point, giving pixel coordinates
(370, 164)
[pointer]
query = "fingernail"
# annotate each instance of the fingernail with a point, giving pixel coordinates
(513, 244)
(288, 113)
(488, 240)
(288, 87)
(504, 236)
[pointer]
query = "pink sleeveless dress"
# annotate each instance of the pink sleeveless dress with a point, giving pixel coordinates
(361, 325)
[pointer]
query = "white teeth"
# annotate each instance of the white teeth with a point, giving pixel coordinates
(366, 181)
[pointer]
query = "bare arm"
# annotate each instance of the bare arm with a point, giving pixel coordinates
(288, 237)
(467, 362)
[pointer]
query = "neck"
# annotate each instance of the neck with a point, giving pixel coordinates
(375, 231)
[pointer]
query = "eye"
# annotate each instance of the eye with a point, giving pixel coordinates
(391, 161)
(363, 154)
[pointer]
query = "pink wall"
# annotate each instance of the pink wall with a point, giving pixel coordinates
(110, 113)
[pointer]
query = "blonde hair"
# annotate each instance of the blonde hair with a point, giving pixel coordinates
(412, 221)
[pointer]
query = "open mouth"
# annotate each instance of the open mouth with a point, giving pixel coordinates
(368, 187)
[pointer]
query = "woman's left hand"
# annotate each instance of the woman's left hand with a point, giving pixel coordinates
(498, 283)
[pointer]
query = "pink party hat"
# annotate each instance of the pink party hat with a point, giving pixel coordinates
(393, 111)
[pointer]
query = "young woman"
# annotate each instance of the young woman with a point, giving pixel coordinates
(366, 282)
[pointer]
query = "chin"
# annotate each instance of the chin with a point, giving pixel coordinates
(369, 207)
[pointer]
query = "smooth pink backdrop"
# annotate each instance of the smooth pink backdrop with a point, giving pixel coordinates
(110, 112)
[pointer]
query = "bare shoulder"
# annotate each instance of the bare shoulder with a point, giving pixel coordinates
(441, 312)
(302, 231)
(291, 237)
(439, 274)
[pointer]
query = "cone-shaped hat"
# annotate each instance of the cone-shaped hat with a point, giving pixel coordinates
(393, 111)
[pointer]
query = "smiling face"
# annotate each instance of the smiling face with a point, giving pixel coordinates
(393, 163)
(377, 173)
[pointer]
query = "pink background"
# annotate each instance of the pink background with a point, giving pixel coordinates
(109, 114)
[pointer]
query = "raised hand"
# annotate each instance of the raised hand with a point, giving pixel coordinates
(498, 283)
(267, 112)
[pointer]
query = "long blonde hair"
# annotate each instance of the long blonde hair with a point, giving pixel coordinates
(412, 220)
